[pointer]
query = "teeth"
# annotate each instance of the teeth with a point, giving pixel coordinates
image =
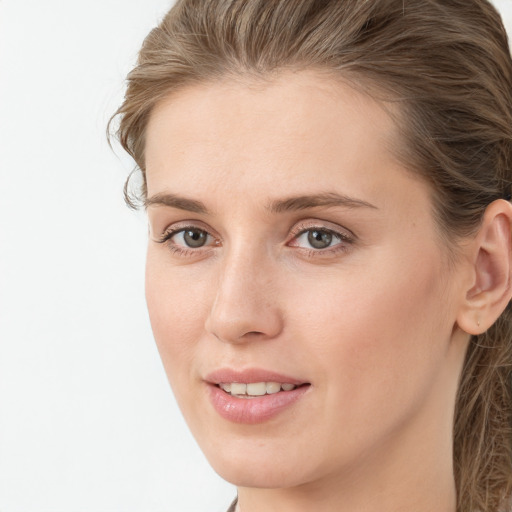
(273, 387)
(238, 388)
(255, 388)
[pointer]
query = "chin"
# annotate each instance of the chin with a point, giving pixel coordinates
(260, 466)
(259, 475)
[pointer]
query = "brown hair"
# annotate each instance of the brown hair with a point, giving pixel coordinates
(447, 65)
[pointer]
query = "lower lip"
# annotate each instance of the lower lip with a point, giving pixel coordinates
(253, 410)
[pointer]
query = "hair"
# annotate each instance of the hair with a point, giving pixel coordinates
(446, 64)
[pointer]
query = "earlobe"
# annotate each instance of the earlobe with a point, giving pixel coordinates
(491, 261)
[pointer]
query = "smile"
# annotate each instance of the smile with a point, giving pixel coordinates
(255, 389)
(253, 395)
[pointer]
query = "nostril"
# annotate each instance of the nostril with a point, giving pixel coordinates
(237, 319)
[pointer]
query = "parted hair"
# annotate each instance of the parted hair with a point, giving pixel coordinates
(445, 67)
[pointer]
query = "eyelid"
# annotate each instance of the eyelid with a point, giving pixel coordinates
(167, 236)
(176, 227)
(183, 251)
(321, 225)
(345, 240)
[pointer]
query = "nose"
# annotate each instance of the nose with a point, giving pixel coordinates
(245, 305)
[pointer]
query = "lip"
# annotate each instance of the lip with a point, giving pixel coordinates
(252, 410)
(250, 375)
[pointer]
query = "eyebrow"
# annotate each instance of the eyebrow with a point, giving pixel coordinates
(174, 201)
(295, 203)
(328, 199)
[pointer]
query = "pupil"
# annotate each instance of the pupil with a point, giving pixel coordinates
(319, 239)
(194, 238)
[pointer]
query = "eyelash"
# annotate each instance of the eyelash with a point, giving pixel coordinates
(344, 240)
(343, 245)
(180, 250)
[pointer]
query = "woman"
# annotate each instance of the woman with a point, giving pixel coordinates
(328, 269)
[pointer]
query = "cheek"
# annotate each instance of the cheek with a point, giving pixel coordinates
(377, 335)
(177, 311)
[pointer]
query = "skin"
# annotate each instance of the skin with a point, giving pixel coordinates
(371, 322)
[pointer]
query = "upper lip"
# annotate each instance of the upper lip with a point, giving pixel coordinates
(250, 375)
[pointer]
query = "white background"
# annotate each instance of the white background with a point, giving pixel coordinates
(87, 420)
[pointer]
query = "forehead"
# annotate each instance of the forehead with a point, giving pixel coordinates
(301, 129)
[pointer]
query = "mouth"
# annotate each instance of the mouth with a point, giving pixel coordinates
(254, 396)
(257, 389)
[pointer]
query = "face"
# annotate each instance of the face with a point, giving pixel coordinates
(298, 292)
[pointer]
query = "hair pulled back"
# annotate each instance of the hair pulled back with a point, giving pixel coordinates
(446, 65)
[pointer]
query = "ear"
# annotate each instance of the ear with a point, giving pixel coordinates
(490, 287)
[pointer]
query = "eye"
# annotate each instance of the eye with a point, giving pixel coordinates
(320, 239)
(317, 239)
(187, 238)
(191, 237)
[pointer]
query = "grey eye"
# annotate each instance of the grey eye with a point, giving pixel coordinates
(319, 239)
(194, 238)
